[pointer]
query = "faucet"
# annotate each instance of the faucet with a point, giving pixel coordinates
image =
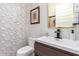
(58, 33)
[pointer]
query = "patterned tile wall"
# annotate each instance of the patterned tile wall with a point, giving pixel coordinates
(13, 27)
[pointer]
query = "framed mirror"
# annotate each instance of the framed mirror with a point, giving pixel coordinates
(60, 15)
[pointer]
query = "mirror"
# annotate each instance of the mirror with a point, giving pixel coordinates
(64, 15)
(60, 15)
(51, 15)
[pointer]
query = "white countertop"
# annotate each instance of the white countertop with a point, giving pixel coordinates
(65, 44)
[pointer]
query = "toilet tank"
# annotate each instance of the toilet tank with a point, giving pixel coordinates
(31, 41)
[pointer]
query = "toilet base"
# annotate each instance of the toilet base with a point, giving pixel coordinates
(32, 54)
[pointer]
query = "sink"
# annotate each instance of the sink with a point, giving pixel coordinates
(62, 42)
(66, 44)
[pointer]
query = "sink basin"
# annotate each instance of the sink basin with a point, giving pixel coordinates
(59, 42)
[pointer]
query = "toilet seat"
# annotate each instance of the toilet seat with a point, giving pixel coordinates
(27, 50)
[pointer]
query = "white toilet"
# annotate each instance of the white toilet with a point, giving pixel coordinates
(27, 50)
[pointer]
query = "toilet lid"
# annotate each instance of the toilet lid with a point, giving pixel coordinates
(25, 50)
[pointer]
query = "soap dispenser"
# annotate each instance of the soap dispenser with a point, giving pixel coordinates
(72, 35)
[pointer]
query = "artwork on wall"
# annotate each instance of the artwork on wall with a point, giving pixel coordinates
(35, 15)
(51, 22)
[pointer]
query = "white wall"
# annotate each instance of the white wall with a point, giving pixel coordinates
(37, 30)
(13, 27)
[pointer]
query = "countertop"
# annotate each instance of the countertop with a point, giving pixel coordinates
(65, 44)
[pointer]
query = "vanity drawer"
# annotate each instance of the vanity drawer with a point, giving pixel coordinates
(45, 50)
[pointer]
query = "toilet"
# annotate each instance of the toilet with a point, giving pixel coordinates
(27, 50)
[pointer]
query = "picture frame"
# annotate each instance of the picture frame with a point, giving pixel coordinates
(52, 22)
(35, 15)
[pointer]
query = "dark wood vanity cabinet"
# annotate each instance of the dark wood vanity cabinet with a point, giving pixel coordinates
(45, 50)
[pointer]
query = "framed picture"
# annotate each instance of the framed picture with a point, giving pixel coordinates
(35, 15)
(51, 22)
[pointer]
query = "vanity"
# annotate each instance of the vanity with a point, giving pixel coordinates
(49, 46)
